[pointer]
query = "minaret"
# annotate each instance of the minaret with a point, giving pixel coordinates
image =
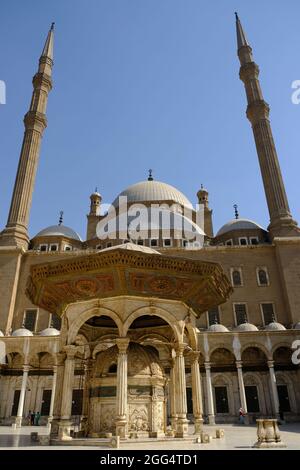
(281, 221)
(16, 230)
(202, 195)
(94, 216)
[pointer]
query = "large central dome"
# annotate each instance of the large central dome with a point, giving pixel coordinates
(154, 191)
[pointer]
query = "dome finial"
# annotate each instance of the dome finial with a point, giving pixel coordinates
(96, 189)
(150, 177)
(61, 217)
(236, 212)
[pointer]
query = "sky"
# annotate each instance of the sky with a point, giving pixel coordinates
(142, 84)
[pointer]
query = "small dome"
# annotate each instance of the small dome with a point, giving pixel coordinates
(217, 328)
(1, 334)
(274, 326)
(59, 231)
(50, 332)
(246, 327)
(239, 224)
(202, 190)
(297, 326)
(22, 332)
(146, 191)
(95, 194)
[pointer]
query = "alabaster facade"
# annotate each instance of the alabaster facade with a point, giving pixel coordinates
(140, 336)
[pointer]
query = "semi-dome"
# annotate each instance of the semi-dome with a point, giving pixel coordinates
(153, 191)
(141, 360)
(59, 231)
(246, 327)
(217, 328)
(49, 332)
(239, 224)
(275, 326)
(1, 334)
(22, 332)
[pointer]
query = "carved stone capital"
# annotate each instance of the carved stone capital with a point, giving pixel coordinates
(122, 344)
(194, 356)
(71, 351)
(239, 364)
(179, 348)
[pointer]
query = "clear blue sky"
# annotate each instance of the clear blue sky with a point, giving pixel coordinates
(144, 84)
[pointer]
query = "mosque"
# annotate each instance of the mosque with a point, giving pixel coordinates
(144, 331)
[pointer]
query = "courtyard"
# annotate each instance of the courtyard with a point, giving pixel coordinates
(237, 437)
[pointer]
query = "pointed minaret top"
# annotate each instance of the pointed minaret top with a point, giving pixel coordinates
(241, 37)
(48, 48)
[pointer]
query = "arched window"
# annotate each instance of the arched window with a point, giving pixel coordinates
(236, 277)
(262, 277)
(213, 316)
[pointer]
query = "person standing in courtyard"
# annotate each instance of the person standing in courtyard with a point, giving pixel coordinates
(37, 418)
(242, 416)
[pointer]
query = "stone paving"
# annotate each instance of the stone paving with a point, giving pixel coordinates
(236, 437)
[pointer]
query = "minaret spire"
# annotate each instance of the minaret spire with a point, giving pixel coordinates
(16, 230)
(240, 35)
(281, 221)
(48, 47)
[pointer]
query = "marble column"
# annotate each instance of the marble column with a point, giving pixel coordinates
(121, 401)
(275, 398)
(172, 393)
(60, 364)
(85, 396)
(54, 377)
(88, 366)
(209, 391)
(196, 392)
(180, 393)
(65, 423)
(22, 396)
(242, 393)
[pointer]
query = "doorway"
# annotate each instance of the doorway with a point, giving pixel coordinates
(221, 400)
(252, 399)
